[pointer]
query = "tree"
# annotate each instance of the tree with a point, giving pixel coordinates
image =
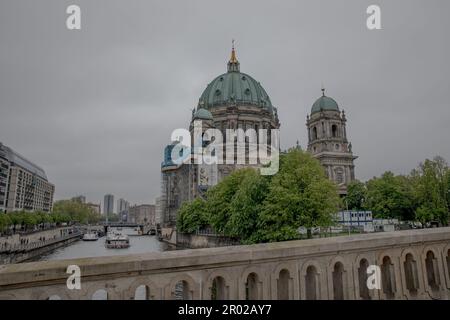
(256, 208)
(220, 196)
(17, 219)
(447, 188)
(299, 195)
(75, 210)
(431, 190)
(192, 216)
(5, 222)
(246, 205)
(30, 219)
(390, 196)
(356, 195)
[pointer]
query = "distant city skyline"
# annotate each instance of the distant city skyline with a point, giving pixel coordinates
(95, 107)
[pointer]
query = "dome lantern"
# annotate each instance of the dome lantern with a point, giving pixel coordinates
(233, 64)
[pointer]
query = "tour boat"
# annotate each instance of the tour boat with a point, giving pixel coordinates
(90, 236)
(117, 241)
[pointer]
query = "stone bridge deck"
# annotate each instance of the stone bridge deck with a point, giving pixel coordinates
(414, 264)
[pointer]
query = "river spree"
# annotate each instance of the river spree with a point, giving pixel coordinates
(86, 249)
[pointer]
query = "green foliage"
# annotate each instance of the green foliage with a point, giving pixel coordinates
(299, 195)
(356, 195)
(390, 196)
(192, 216)
(246, 205)
(63, 211)
(16, 217)
(75, 211)
(256, 208)
(423, 195)
(431, 186)
(5, 222)
(220, 196)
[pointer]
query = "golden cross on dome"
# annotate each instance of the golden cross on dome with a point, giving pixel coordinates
(233, 58)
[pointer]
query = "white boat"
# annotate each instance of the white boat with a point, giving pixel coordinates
(117, 241)
(90, 236)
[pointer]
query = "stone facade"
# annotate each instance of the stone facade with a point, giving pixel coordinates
(414, 264)
(327, 141)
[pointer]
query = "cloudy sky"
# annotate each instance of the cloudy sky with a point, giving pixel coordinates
(96, 107)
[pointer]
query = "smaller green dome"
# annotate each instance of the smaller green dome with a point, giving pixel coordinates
(203, 114)
(324, 103)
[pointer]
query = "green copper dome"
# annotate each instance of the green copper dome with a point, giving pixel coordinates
(203, 114)
(234, 87)
(324, 103)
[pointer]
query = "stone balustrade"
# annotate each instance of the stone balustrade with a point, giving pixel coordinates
(413, 264)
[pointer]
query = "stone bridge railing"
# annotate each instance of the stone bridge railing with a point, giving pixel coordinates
(413, 264)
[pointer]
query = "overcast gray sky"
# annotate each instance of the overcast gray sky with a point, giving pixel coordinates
(96, 107)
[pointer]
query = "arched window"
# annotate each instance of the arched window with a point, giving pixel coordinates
(314, 133)
(334, 131)
(411, 276)
(362, 277)
(432, 271)
(182, 291)
(252, 291)
(142, 293)
(283, 285)
(388, 278)
(219, 291)
(338, 281)
(311, 283)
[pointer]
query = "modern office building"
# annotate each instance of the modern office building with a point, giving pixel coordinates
(122, 209)
(23, 185)
(108, 204)
(122, 205)
(4, 175)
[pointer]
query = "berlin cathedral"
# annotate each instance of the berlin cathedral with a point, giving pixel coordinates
(235, 100)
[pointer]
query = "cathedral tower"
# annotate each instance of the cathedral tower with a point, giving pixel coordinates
(327, 141)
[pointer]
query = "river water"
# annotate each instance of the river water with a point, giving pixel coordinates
(85, 249)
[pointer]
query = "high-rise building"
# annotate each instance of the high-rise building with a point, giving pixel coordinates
(122, 205)
(23, 185)
(108, 204)
(122, 209)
